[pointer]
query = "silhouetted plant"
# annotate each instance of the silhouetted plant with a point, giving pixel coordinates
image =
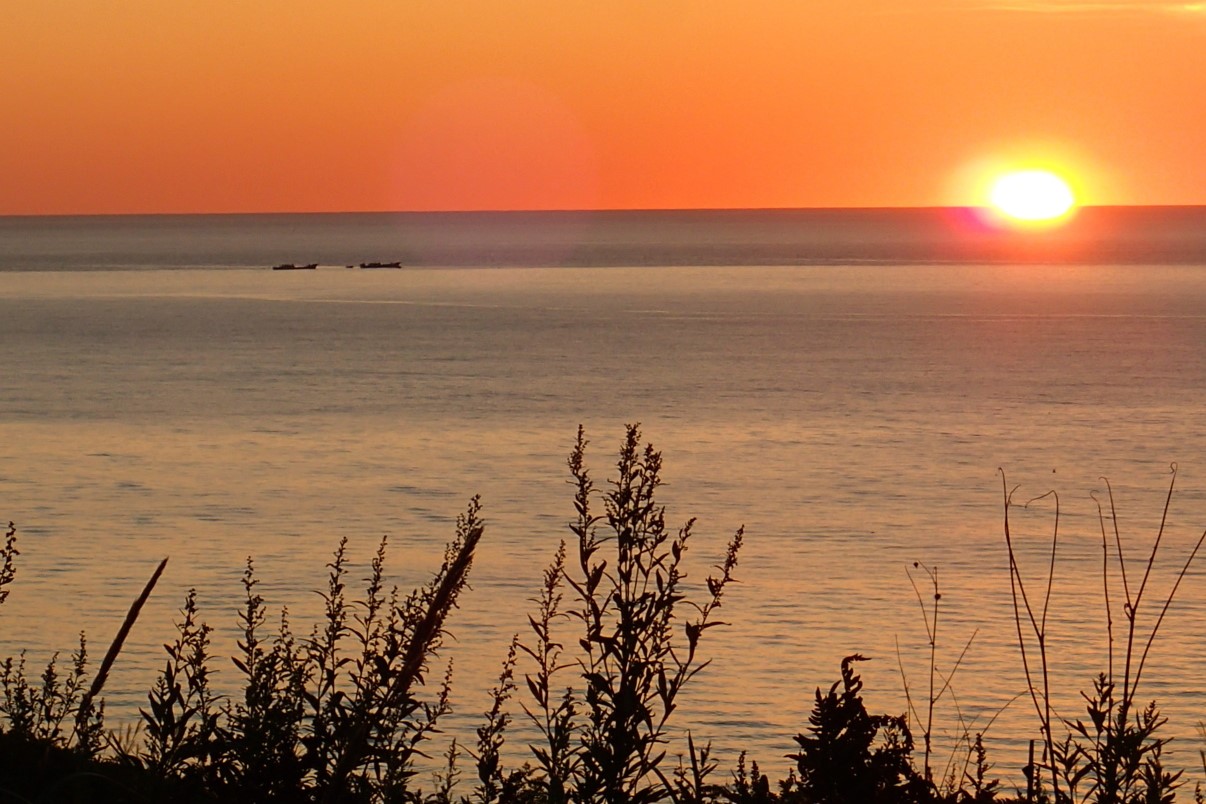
(445, 779)
(632, 671)
(181, 720)
(554, 715)
(1115, 757)
(605, 744)
(690, 784)
(87, 719)
(41, 713)
(979, 788)
(52, 747)
(935, 693)
(494, 783)
(314, 724)
(750, 785)
(337, 717)
(261, 757)
(365, 738)
(852, 756)
(37, 709)
(8, 555)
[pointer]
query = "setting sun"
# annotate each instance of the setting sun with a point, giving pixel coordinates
(1032, 195)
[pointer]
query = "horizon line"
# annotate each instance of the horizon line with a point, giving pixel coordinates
(559, 211)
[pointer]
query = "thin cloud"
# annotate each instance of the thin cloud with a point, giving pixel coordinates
(1088, 7)
(1093, 7)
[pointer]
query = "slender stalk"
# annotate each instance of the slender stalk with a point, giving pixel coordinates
(1022, 601)
(904, 681)
(1167, 602)
(102, 674)
(1042, 637)
(929, 718)
(1105, 585)
(931, 630)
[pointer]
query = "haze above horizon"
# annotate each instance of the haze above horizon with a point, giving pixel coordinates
(149, 107)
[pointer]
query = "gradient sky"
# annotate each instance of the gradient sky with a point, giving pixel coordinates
(294, 105)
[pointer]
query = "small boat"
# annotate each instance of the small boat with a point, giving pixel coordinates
(381, 265)
(288, 266)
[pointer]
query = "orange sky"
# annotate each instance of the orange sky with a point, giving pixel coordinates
(299, 105)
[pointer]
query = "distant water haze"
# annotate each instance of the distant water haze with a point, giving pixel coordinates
(1143, 235)
(164, 393)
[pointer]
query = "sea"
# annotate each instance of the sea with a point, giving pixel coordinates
(861, 390)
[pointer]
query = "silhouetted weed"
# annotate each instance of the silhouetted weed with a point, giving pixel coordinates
(317, 721)
(850, 755)
(605, 741)
(8, 555)
(1114, 758)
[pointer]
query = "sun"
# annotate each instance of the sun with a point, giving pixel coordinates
(1037, 196)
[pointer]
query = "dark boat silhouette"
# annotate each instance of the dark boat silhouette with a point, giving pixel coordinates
(381, 265)
(288, 266)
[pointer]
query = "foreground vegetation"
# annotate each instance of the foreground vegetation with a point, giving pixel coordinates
(342, 713)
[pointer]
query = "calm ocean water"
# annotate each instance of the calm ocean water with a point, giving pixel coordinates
(844, 384)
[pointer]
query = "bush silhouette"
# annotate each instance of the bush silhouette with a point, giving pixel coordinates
(852, 756)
